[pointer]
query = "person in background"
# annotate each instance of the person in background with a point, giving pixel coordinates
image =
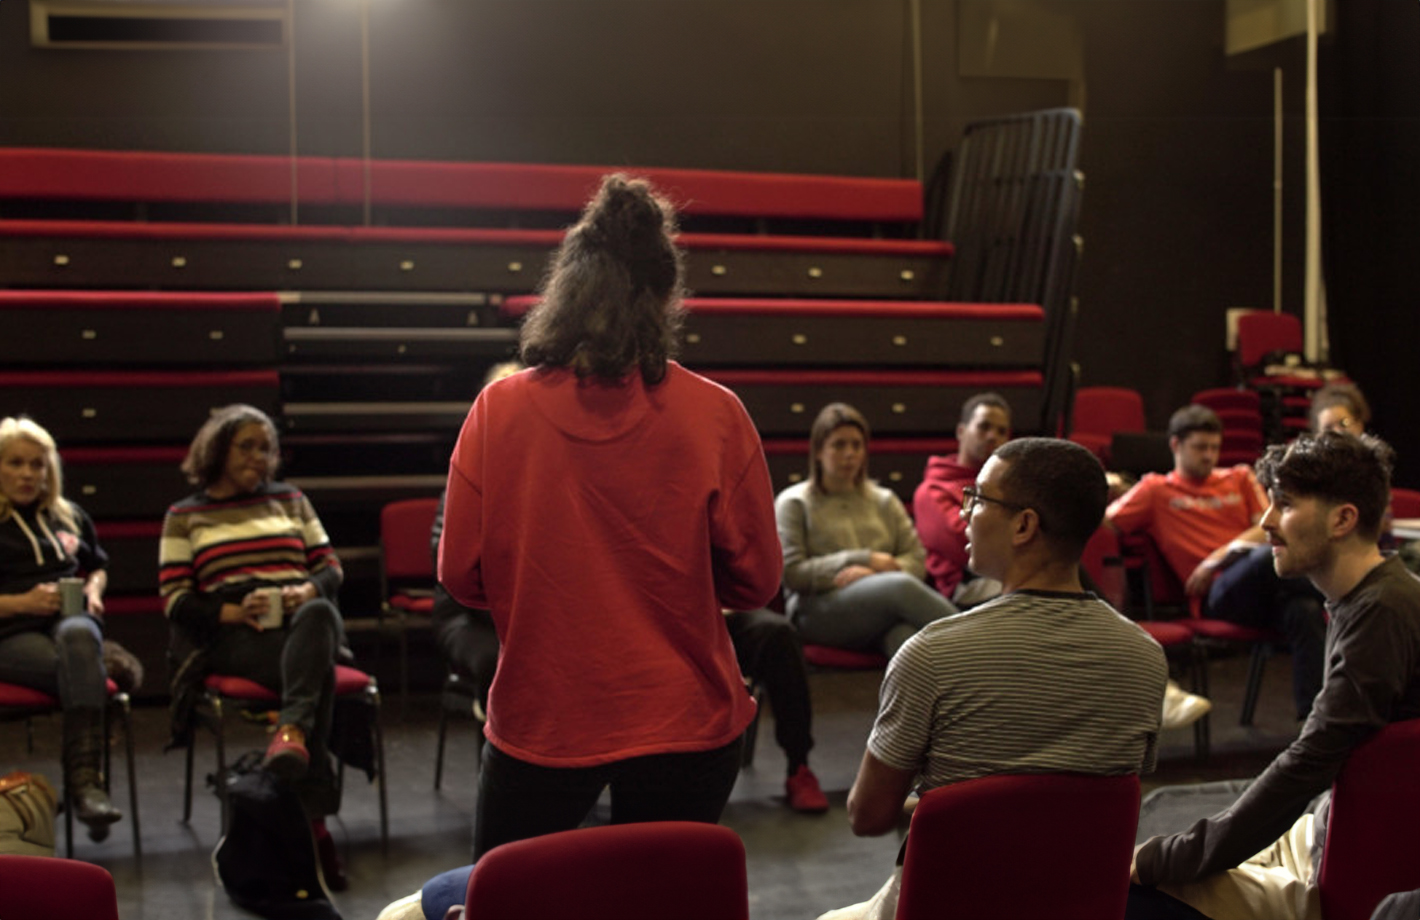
(767, 647)
(44, 537)
(465, 636)
(1328, 493)
(1045, 678)
(249, 581)
(1340, 407)
(1205, 520)
(853, 565)
(984, 426)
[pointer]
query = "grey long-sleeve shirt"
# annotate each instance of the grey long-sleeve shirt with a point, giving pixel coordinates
(1372, 679)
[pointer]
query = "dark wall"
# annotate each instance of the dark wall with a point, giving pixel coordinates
(1177, 150)
(1177, 214)
(1370, 196)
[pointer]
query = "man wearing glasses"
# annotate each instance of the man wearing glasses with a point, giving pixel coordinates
(1045, 678)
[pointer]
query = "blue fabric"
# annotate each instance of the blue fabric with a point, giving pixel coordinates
(444, 891)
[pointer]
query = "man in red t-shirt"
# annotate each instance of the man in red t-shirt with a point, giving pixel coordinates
(1203, 519)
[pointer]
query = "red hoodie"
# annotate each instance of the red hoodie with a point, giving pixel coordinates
(936, 508)
(606, 526)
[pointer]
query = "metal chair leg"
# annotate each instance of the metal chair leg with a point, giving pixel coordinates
(187, 781)
(751, 735)
(126, 711)
(439, 750)
(1254, 681)
(373, 692)
(215, 702)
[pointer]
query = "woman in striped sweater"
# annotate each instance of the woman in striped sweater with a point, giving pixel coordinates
(230, 554)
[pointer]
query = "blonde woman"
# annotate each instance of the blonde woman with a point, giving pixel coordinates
(45, 538)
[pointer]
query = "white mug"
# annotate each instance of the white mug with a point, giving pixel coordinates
(275, 612)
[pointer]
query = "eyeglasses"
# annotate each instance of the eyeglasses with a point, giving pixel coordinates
(974, 497)
(251, 446)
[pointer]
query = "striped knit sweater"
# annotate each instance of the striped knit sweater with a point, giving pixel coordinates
(214, 551)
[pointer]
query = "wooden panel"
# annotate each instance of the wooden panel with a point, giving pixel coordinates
(110, 485)
(748, 340)
(172, 337)
(122, 407)
(895, 465)
(919, 404)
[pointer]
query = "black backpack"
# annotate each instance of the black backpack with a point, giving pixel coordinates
(267, 859)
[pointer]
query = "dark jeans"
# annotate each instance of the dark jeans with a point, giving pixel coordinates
(767, 647)
(1250, 593)
(297, 662)
(64, 659)
(518, 800)
(467, 639)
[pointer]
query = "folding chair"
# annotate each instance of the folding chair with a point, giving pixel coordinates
(17, 702)
(963, 835)
(647, 871)
(1375, 805)
(43, 888)
(219, 689)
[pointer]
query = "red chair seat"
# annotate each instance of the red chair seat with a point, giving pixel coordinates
(347, 681)
(413, 604)
(824, 656)
(14, 696)
(1230, 632)
(1167, 634)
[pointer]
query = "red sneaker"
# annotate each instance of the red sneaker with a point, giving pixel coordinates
(804, 792)
(286, 755)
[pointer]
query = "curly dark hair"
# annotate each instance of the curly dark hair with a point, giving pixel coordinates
(612, 298)
(1336, 467)
(207, 455)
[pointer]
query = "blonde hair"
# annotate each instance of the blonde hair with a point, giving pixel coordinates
(51, 497)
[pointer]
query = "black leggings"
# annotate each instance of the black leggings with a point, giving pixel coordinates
(518, 800)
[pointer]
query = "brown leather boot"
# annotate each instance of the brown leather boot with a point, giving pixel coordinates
(83, 778)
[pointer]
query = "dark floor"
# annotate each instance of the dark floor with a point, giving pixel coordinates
(799, 865)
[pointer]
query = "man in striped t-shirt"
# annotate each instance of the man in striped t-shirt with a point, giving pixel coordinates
(1046, 678)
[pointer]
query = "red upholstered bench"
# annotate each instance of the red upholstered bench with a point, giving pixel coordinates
(42, 173)
(157, 244)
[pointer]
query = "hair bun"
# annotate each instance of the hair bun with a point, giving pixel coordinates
(628, 219)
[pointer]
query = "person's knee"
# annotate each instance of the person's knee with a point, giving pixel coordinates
(316, 613)
(79, 634)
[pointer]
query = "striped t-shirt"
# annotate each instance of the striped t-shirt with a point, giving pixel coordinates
(1032, 682)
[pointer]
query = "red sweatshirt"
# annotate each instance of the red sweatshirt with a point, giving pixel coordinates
(936, 508)
(606, 526)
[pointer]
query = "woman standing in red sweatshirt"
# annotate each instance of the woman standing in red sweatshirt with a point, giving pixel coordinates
(605, 504)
